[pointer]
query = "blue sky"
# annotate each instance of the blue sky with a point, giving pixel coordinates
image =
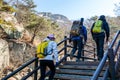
(75, 9)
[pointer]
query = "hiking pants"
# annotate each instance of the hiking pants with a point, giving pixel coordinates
(77, 44)
(43, 65)
(100, 46)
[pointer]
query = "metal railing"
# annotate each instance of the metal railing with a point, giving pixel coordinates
(108, 55)
(35, 61)
(22, 67)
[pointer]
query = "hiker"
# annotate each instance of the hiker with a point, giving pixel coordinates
(78, 37)
(48, 60)
(99, 34)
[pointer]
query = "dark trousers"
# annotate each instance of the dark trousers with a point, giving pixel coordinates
(77, 44)
(43, 65)
(100, 46)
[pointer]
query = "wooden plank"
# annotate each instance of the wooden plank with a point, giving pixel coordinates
(72, 70)
(72, 77)
(77, 72)
(82, 63)
(83, 67)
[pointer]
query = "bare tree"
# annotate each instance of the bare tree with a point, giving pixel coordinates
(117, 9)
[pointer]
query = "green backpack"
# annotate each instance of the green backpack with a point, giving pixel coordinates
(97, 27)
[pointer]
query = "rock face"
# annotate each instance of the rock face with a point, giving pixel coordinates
(15, 49)
(4, 54)
(20, 52)
(11, 22)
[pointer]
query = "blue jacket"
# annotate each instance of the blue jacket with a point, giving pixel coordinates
(83, 32)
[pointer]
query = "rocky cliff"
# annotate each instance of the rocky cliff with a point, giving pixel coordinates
(15, 48)
(4, 54)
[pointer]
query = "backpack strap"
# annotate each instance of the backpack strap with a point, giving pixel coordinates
(50, 50)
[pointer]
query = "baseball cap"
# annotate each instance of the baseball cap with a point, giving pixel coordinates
(51, 36)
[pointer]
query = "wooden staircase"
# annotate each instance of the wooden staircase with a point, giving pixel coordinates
(72, 70)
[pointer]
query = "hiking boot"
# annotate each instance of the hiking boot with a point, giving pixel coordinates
(78, 60)
(71, 56)
(99, 59)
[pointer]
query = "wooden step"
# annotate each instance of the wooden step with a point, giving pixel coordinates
(71, 70)
(72, 77)
(83, 63)
(81, 67)
(77, 72)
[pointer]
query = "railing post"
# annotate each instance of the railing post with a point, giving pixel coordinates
(36, 65)
(117, 65)
(111, 63)
(65, 45)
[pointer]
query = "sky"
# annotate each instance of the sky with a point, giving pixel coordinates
(75, 9)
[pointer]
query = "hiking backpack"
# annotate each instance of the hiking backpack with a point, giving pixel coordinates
(97, 28)
(75, 30)
(42, 49)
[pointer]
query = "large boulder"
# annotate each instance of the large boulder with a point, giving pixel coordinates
(10, 25)
(4, 54)
(15, 48)
(20, 52)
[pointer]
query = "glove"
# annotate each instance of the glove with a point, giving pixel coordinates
(107, 39)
